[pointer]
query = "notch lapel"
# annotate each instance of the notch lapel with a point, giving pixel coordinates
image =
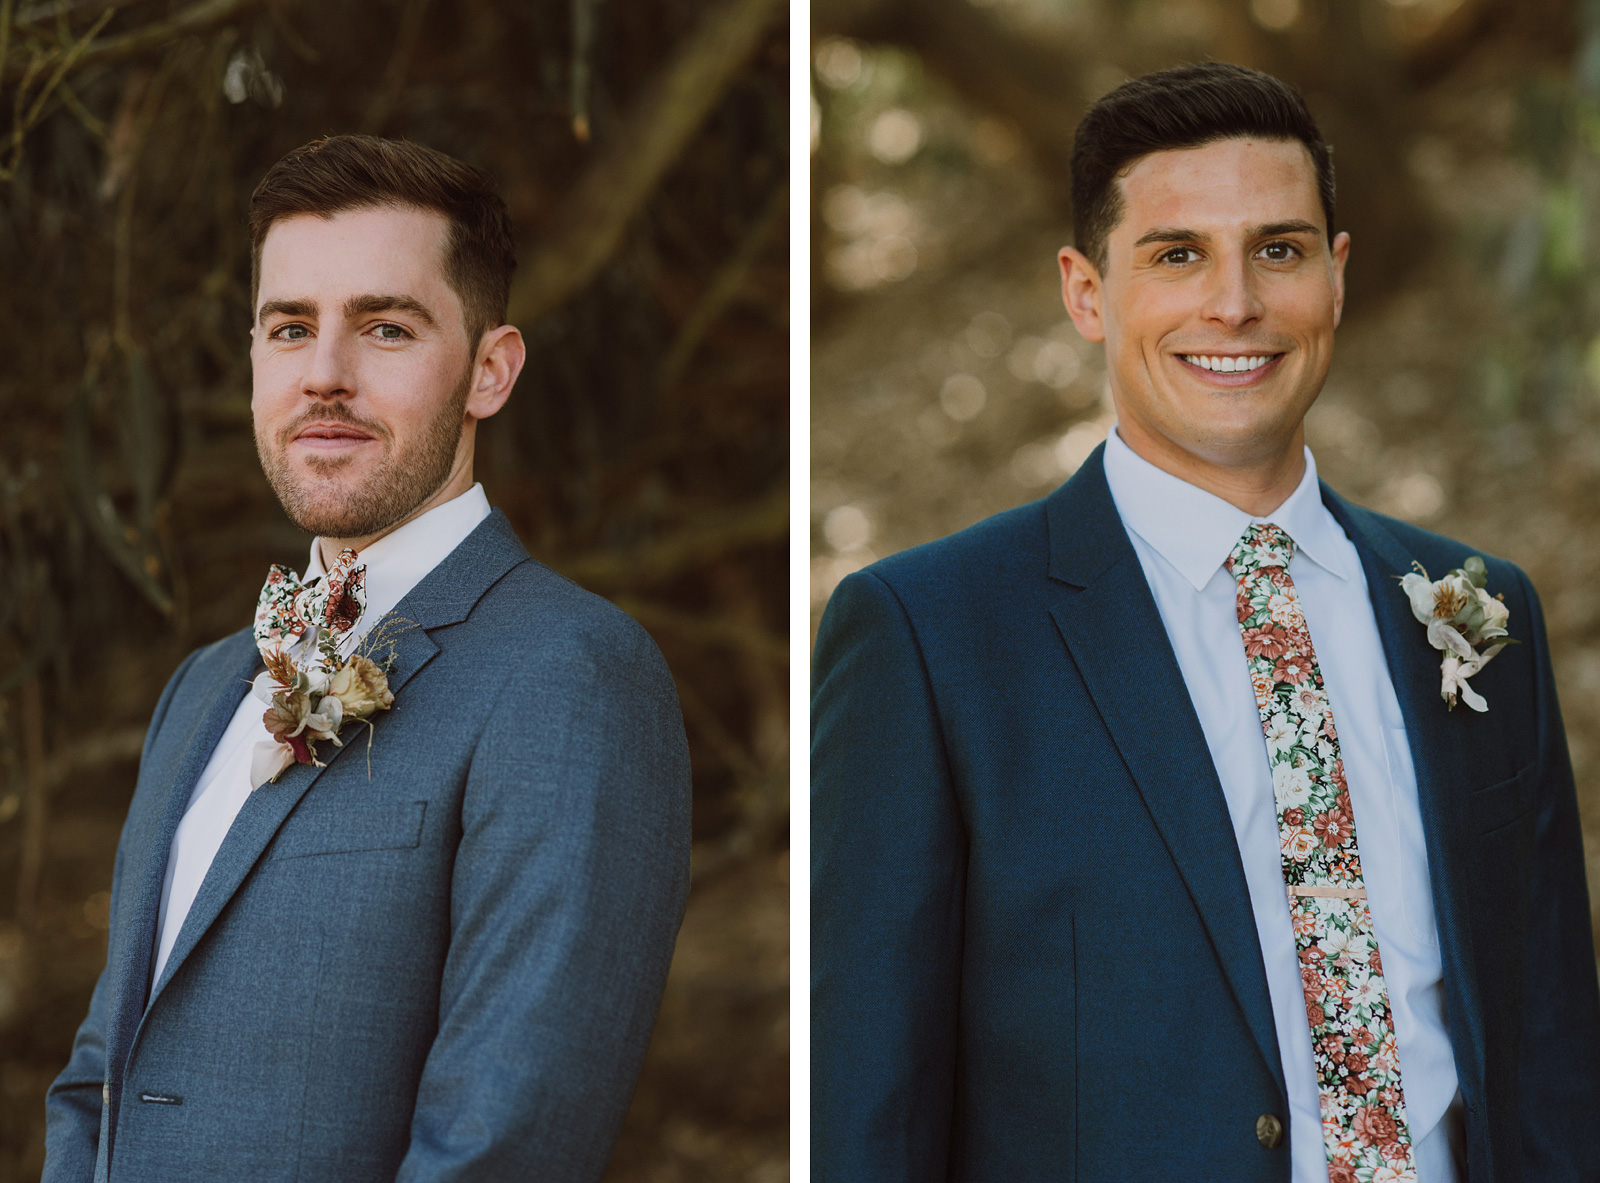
(445, 596)
(1105, 612)
(224, 683)
(1442, 749)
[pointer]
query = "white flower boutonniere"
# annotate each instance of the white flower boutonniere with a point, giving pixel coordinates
(1462, 619)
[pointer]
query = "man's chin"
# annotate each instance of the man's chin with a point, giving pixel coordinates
(336, 508)
(317, 466)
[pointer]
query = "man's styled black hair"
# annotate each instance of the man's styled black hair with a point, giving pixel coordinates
(1184, 107)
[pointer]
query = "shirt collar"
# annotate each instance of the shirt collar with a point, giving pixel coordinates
(1195, 530)
(397, 562)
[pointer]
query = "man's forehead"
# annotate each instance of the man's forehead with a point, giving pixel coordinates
(1227, 183)
(361, 250)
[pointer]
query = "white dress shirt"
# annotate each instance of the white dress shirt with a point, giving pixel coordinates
(395, 564)
(1182, 534)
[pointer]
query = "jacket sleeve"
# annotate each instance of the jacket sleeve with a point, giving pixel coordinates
(569, 886)
(1559, 1068)
(73, 1107)
(888, 865)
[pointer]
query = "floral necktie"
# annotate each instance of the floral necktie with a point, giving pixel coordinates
(1364, 1127)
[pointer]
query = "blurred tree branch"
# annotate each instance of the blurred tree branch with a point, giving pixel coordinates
(35, 798)
(766, 520)
(763, 796)
(589, 223)
(91, 752)
(707, 630)
(26, 116)
(394, 75)
(156, 35)
(723, 289)
(1034, 85)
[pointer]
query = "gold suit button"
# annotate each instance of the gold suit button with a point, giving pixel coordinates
(1269, 1131)
(105, 1094)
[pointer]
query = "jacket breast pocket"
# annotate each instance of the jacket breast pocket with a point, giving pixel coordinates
(391, 826)
(1503, 802)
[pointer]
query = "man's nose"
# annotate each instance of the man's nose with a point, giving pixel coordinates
(329, 372)
(1233, 299)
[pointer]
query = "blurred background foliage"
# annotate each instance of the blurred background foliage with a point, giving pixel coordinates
(948, 383)
(642, 149)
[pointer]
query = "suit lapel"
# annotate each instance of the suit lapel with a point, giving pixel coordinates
(224, 678)
(444, 597)
(1109, 620)
(1442, 752)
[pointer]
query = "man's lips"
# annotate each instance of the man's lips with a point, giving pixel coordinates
(331, 436)
(1248, 368)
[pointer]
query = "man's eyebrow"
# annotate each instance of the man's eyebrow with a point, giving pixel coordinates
(305, 308)
(1266, 230)
(1172, 234)
(366, 305)
(1273, 229)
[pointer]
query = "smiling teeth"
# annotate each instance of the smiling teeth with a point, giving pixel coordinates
(1226, 365)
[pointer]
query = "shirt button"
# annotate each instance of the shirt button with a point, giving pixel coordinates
(1269, 1131)
(105, 1094)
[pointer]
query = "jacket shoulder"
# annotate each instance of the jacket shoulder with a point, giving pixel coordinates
(533, 611)
(987, 554)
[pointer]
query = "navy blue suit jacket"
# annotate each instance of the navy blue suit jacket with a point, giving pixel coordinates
(438, 958)
(1033, 950)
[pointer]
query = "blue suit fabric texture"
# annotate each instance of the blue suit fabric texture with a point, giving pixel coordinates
(1033, 951)
(437, 958)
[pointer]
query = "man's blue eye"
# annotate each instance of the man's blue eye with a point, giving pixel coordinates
(391, 332)
(293, 332)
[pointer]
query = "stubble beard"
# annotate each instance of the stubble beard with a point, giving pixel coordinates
(319, 503)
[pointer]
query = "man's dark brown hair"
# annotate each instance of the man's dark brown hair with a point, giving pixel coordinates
(339, 173)
(1185, 107)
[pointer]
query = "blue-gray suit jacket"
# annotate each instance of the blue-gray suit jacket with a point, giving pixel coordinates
(1033, 949)
(438, 958)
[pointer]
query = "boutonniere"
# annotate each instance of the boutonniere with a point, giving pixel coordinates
(1462, 618)
(311, 697)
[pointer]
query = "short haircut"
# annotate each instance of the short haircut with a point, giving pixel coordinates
(1185, 107)
(339, 173)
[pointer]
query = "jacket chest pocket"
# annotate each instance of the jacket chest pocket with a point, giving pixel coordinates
(386, 826)
(1501, 803)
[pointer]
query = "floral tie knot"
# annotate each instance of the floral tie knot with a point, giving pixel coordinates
(1263, 545)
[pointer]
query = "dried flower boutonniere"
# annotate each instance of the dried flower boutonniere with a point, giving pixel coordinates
(1462, 618)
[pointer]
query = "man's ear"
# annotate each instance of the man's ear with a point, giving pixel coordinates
(500, 357)
(1340, 254)
(1080, 292)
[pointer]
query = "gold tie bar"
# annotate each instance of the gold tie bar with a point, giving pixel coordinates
(1346, 893)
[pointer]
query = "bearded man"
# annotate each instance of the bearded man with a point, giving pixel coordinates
(439, 956)
(1193, 823)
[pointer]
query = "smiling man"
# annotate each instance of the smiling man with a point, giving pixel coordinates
(437, 957)
(1158, 832)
